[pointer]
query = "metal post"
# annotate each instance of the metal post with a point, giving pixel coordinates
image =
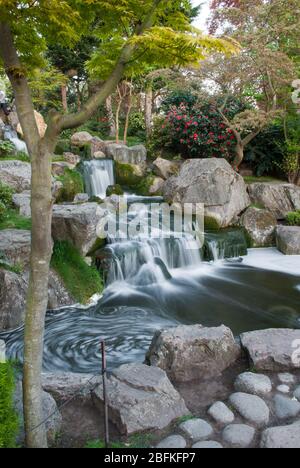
(104, 371)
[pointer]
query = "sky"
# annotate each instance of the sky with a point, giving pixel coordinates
(200, 22)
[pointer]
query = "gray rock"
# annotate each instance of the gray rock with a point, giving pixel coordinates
(279, 198)
(58, 296)
(221, 413)
(81, 138)
(251, 407)
(288, 239)
(136, 155)
(209, 444)
(260, 226)
(53, 424)
(172, 442)
(283, 389)
(99, 155)
(13, 289)
(239, 435)
(255, 384)
(81, 198)
(286, 408)
(272, 350)
(2, 352)
(192, 352)
(165, 169)
(71, 158)
(284, 437)
(196, 429)
(212, 182)
(297, 393)
(15, 246)
(65, 385)
(22, 202)
(76, 224)
(59, 168)
(140, 398)
(156, 186)
(16, 174)
(286, 378)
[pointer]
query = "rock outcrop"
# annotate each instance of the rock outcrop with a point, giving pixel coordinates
(165, 169)
(22, 202)
(193, 352)
(215, 184)
(260, 226)
(81, 138)
(13, 289)
(288, 239)
(279, 198)
(141, 398)
(136, 155)
(16, 174)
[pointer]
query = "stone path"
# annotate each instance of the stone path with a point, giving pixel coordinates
(264, 412)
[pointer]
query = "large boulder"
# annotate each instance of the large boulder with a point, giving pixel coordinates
(165, 169)
(288, 239)
(282, 437)
(214, 183)
(64, 386)
(273, 350)
(22, 202)
(16, 174)
(279, 198)
(15, 246)
(13, 289)
(123, 154)
(260, 226)
(81, 138)
(76, 224)
(58, 296)
(41, 124)
(129, 175)
(193, 352)
(140, 398)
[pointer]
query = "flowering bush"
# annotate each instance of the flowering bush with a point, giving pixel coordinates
(200, 133)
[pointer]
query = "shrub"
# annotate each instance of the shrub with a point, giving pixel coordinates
(6, 148)
(137, 126)
(6, 194)
(178, 97)
(9, 423)
(293, 219)
(72, 184)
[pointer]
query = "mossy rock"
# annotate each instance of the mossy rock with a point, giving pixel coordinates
(128, 175)
(143, 188)
(72, 185)
(99, 244)
(211, 224)
(95, 199)
(114, 190)
(84, 151)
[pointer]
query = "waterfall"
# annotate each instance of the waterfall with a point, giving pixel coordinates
(98, 176)
(12, 136)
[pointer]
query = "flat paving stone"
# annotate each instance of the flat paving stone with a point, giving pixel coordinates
(239, 435)
(286, 437)
(286, 407)
(196, 429)
(173, 442)
(251, 407)
(209, 444)
(221, 413)
(256, 384)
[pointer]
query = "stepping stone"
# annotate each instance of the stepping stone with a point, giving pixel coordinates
(284, 389)
(256, 384)
(287, 437)
(286, 378)
(221, 413)
(251, 407)
(196, 429)
(297, 393)
(210, 444)
(286, 407)
(239, 435)
(173, 442)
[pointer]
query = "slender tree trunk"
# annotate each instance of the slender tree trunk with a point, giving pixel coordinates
(239, 155)
(64, 98)
(129, 107)
(148, 110)
(120, 100)
(110, 114)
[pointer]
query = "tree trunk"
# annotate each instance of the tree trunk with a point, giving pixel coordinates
(64, 98)
(129, 107)
(110, 115)
(239, 155)
(148, 110)
(120, 100)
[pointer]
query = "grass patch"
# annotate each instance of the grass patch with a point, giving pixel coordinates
(81, 280)
(13, 220)
(254, 180)
(9, 422)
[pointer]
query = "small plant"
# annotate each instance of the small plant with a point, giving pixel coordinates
(9, 423)
(72, 185)
(293, 218)
(6, 148)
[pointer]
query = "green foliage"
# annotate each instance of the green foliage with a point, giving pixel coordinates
(126, 175)
(80, 279)
(293, 219)
(254, 179)
(9, 423)
(63, 146)
(137, 126)
(2, 211)
(6, 148)
(13, 220)
(72, 184)
(178, 97)
(114, 190)
(6, 194)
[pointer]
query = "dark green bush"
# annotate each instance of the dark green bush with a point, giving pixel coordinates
(137, 126)
(293, 218)
(6, 194)
(9, 423)
(72, 184)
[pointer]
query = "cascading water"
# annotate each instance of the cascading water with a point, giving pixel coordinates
(98, 176)
(11, 135)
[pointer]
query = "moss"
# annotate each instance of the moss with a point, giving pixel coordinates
(114, 190)
(80, 279)
(143, 188)
(293, 218)
(72, 184)
(95, 199)
(211, 224)
(9, 423)
(99, 244)
(63, 146)
(126, 175)
(254, 180)
(13, 220)
(84, 151)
